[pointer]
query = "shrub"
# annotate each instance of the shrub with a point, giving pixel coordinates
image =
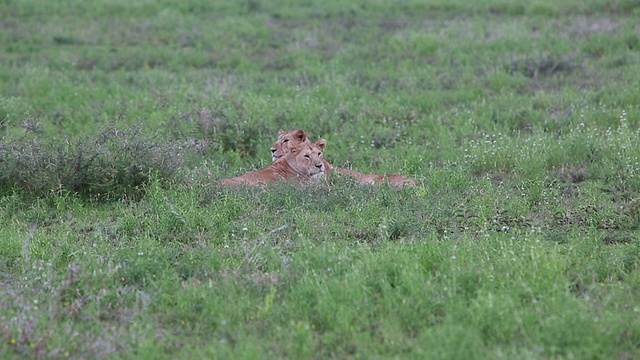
(116, 163)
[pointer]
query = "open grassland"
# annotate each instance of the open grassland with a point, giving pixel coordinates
(519, 120)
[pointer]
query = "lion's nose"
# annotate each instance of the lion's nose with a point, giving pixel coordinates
(320, 166)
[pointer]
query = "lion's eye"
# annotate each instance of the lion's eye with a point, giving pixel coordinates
(307, 156)
(285, 140)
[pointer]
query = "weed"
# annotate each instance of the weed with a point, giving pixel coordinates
(542, 66)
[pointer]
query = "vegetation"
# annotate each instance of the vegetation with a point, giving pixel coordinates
(520, 122)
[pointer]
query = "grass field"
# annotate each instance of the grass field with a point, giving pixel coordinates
(519, 120)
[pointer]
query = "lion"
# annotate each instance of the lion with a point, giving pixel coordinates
(303, 163)
(289, 139)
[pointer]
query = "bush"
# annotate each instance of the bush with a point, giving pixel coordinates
(116, 163)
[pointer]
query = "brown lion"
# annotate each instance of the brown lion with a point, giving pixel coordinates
(289, 139)
(303, 163)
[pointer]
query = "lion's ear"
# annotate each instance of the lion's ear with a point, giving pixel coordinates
(322, 143)
(280, 132)
(300, 135)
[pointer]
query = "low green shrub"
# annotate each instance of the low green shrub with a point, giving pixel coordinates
(116, 163)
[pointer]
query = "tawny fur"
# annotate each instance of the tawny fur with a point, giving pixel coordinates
(302, 164)
(289, 139)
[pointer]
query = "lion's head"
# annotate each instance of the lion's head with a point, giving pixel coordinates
(286, 141)
(306, 159)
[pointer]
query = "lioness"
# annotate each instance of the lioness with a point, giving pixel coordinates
(289, 139)
(303, 163)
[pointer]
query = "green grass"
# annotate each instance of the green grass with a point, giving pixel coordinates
(520, 122)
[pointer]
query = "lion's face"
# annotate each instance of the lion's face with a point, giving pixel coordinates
(307, 159)
(286, 141)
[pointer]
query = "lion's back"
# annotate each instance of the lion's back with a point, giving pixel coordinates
(259, 177)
